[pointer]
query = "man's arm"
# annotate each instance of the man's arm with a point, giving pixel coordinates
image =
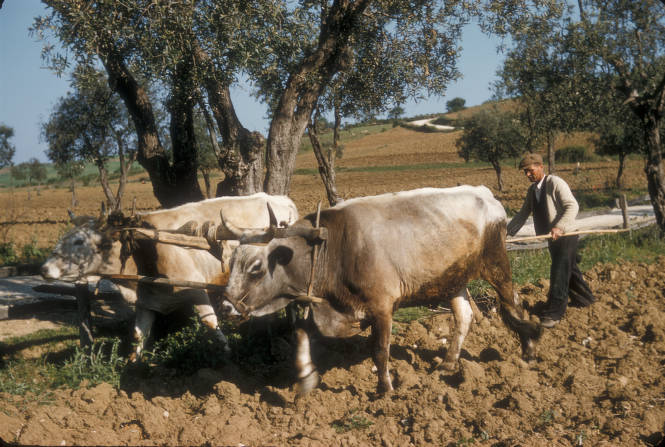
(567, 209)
(522, 215)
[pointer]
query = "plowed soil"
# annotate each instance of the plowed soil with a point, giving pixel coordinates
(598, 380)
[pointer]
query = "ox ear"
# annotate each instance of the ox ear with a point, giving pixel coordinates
(281, 255)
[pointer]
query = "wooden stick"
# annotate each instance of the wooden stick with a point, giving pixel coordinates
(572, 233)
(169, 237)
(165, 282)
(315, 254)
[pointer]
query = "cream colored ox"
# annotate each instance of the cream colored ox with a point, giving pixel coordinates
(89, 250)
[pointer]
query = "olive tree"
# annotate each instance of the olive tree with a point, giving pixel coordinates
(290, 51)
(90, 125)
(7, 150)
(491, 136)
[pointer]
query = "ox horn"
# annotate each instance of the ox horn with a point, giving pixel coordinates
(228, 231)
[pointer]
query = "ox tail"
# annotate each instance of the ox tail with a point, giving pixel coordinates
(524, 328)
(495, 269)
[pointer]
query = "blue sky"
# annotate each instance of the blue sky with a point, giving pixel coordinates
(28, 91)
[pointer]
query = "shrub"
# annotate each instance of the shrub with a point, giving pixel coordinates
(8, 254)
(572, 154)
(30, 253)
(188, 350)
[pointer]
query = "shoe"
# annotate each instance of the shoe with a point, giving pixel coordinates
(548, 322)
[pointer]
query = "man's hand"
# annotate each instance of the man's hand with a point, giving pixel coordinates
(556, 233)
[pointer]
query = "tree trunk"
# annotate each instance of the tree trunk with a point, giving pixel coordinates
(497, 168)
(113, 204)
(336, 129)
(326, 164)
(654, 170)
(241, 157)
(551, 166)
(183, 140)
(303, 89)
(169, 189)
(206, 181)
(72, 188)
(125, 165)
(622, 167)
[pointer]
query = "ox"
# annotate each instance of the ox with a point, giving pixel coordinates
(89, 249)
(376, 253)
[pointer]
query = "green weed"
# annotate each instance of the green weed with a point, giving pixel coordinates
(188, 350)
(408, 314)
(100, 363)
(353, 421)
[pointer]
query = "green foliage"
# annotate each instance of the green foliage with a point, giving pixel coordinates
(445, 121)
(491, 136)
(352, 421)
(30, 253)
(455, 105)
(8, 255)
(529, 265)
(101, 363)
(7, 150)
(643, 245)
(414, 313)
(27, 254)
(572, 154)
(189, 349)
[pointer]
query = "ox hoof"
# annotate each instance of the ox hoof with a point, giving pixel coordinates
(448, 365)
(307, 383)
(529, 351)
(384, 389)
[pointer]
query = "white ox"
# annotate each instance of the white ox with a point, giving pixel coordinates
(89, 250)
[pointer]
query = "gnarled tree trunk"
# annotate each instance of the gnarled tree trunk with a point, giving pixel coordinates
(169, 189)
(241, 156)
(654, 170)
(303, 89)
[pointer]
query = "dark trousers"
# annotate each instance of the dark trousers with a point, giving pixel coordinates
(565, 279)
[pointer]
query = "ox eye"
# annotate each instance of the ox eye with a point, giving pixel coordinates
(256, 269)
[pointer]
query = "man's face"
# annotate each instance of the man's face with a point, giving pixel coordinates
(534, 173)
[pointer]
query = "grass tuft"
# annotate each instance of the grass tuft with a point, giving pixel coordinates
(188, 350)
(352, 421)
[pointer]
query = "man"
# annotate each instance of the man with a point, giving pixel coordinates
(554, 210)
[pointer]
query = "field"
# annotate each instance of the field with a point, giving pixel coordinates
(598, 379)
(393, 159)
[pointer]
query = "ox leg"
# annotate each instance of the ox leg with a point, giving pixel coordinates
(308, 377)
(463, 314)
(209, 319)
(142, 326)
(381, 329)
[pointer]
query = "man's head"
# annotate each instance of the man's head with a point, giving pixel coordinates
(532, 165)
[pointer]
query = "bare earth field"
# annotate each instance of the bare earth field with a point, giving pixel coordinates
(598, 380)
